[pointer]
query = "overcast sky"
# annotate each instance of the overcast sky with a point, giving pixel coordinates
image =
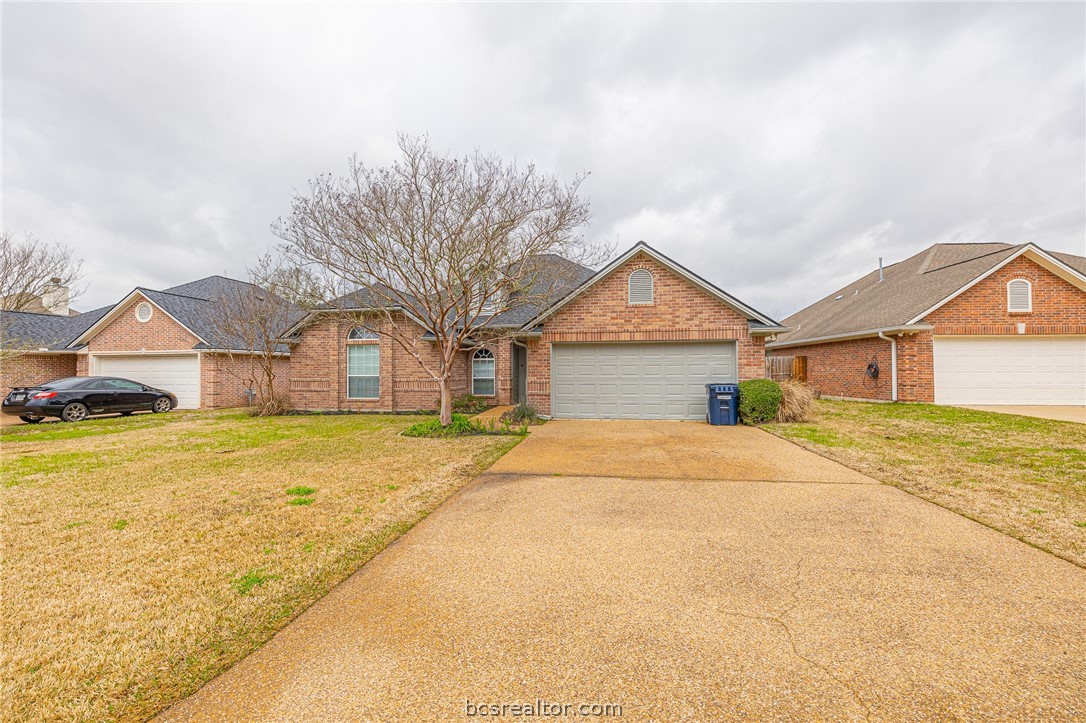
(778, 150)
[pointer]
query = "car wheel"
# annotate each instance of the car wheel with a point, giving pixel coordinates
(30, 420)
(162, 404)
(74, 412)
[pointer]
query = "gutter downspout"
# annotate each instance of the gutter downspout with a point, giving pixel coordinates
(893, 364)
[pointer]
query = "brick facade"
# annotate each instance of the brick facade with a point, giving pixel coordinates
(126, 333)
(836, 368)
(318, 371)
(680, 312)
(225, 377)
(26, 370)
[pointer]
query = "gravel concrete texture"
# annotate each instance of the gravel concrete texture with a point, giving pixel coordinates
(668, 450)
(1059, 413)
(680, 600)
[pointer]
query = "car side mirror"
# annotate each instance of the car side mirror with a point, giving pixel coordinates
(146, 388)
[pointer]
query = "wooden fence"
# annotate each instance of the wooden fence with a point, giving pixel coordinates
(786, 367)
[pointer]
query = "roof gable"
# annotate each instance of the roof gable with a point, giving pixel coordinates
(909, 290)
(759, 319)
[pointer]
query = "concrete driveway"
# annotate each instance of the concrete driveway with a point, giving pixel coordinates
(749, 579)
(1062, 413)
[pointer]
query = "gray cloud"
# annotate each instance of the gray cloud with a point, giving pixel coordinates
(777, 149)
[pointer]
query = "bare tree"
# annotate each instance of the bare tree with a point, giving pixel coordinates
(449, 244)
(30, 268)
(249, 320)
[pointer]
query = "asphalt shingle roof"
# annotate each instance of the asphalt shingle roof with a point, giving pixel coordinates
(559, 276)
(908, 289)
(193, 304)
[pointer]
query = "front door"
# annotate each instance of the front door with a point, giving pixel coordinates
(520, 374)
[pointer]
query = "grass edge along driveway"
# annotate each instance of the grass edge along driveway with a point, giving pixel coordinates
(1022, 476)
(143, 556)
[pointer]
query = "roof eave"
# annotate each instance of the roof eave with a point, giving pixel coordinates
(845, 336)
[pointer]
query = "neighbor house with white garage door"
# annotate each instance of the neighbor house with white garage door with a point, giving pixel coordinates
(167, 339)
(968, 324)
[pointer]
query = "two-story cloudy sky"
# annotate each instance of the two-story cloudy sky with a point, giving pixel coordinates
(778, 149)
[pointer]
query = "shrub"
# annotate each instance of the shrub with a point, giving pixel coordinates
(759, 400)
(797, 401)
(523, 413)
(459, 426)
(469, 404)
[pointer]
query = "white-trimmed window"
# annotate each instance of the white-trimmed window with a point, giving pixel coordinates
(1019, 295)
(482, 373)
(360, 334)
(144, 311)
(640, 287)
(363, 365)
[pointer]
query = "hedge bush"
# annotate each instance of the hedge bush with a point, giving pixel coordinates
(759, 400)
(459, 427)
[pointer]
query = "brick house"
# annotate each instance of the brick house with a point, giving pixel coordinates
(638, 339)
(980, 323)
(166, 339)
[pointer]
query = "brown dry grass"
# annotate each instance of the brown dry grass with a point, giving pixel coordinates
(143, 556)
(797, 402)
(1023, 476)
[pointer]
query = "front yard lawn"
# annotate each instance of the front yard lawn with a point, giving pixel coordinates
(1023, 476)
(143, 556)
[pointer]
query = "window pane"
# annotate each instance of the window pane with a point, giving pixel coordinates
(482, 387)
(363, 387)
(482, 368)
(363, 360)
(363, 371)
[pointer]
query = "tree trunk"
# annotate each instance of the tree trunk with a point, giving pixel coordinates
(446, 401)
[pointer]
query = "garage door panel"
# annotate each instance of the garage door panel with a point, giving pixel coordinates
(1011, 370)
(638, 381)
(178, 374)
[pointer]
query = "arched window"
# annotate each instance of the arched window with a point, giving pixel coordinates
(640, 291)
(360, 334)
(482, 373)
(1019, 295)
(363, 365)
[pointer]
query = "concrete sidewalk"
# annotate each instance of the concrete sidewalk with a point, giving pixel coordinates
(679, 599)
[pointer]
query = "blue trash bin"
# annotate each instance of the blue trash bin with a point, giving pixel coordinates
(723, 404)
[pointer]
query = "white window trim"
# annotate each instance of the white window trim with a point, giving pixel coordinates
(370, 335)
(493, 378)
(1029, 296)
(150, 311)
(347, 362)
(652, 288)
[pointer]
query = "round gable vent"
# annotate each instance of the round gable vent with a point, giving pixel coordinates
(144, 312)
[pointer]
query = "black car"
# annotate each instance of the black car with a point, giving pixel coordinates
(73, 399)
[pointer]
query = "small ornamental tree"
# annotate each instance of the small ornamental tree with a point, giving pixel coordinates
(446, 243)
(249, 320)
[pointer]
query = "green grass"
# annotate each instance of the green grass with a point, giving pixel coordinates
(1021, 475)
(301, 491)
(119, 524)
(301, 501)
(244, 584)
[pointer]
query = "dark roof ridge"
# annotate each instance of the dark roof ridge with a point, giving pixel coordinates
(971, 259)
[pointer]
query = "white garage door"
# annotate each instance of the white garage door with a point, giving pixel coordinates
(177, 374)
(1010, 371)
(637, 381)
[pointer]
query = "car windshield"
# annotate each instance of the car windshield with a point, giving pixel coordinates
(66, 383)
